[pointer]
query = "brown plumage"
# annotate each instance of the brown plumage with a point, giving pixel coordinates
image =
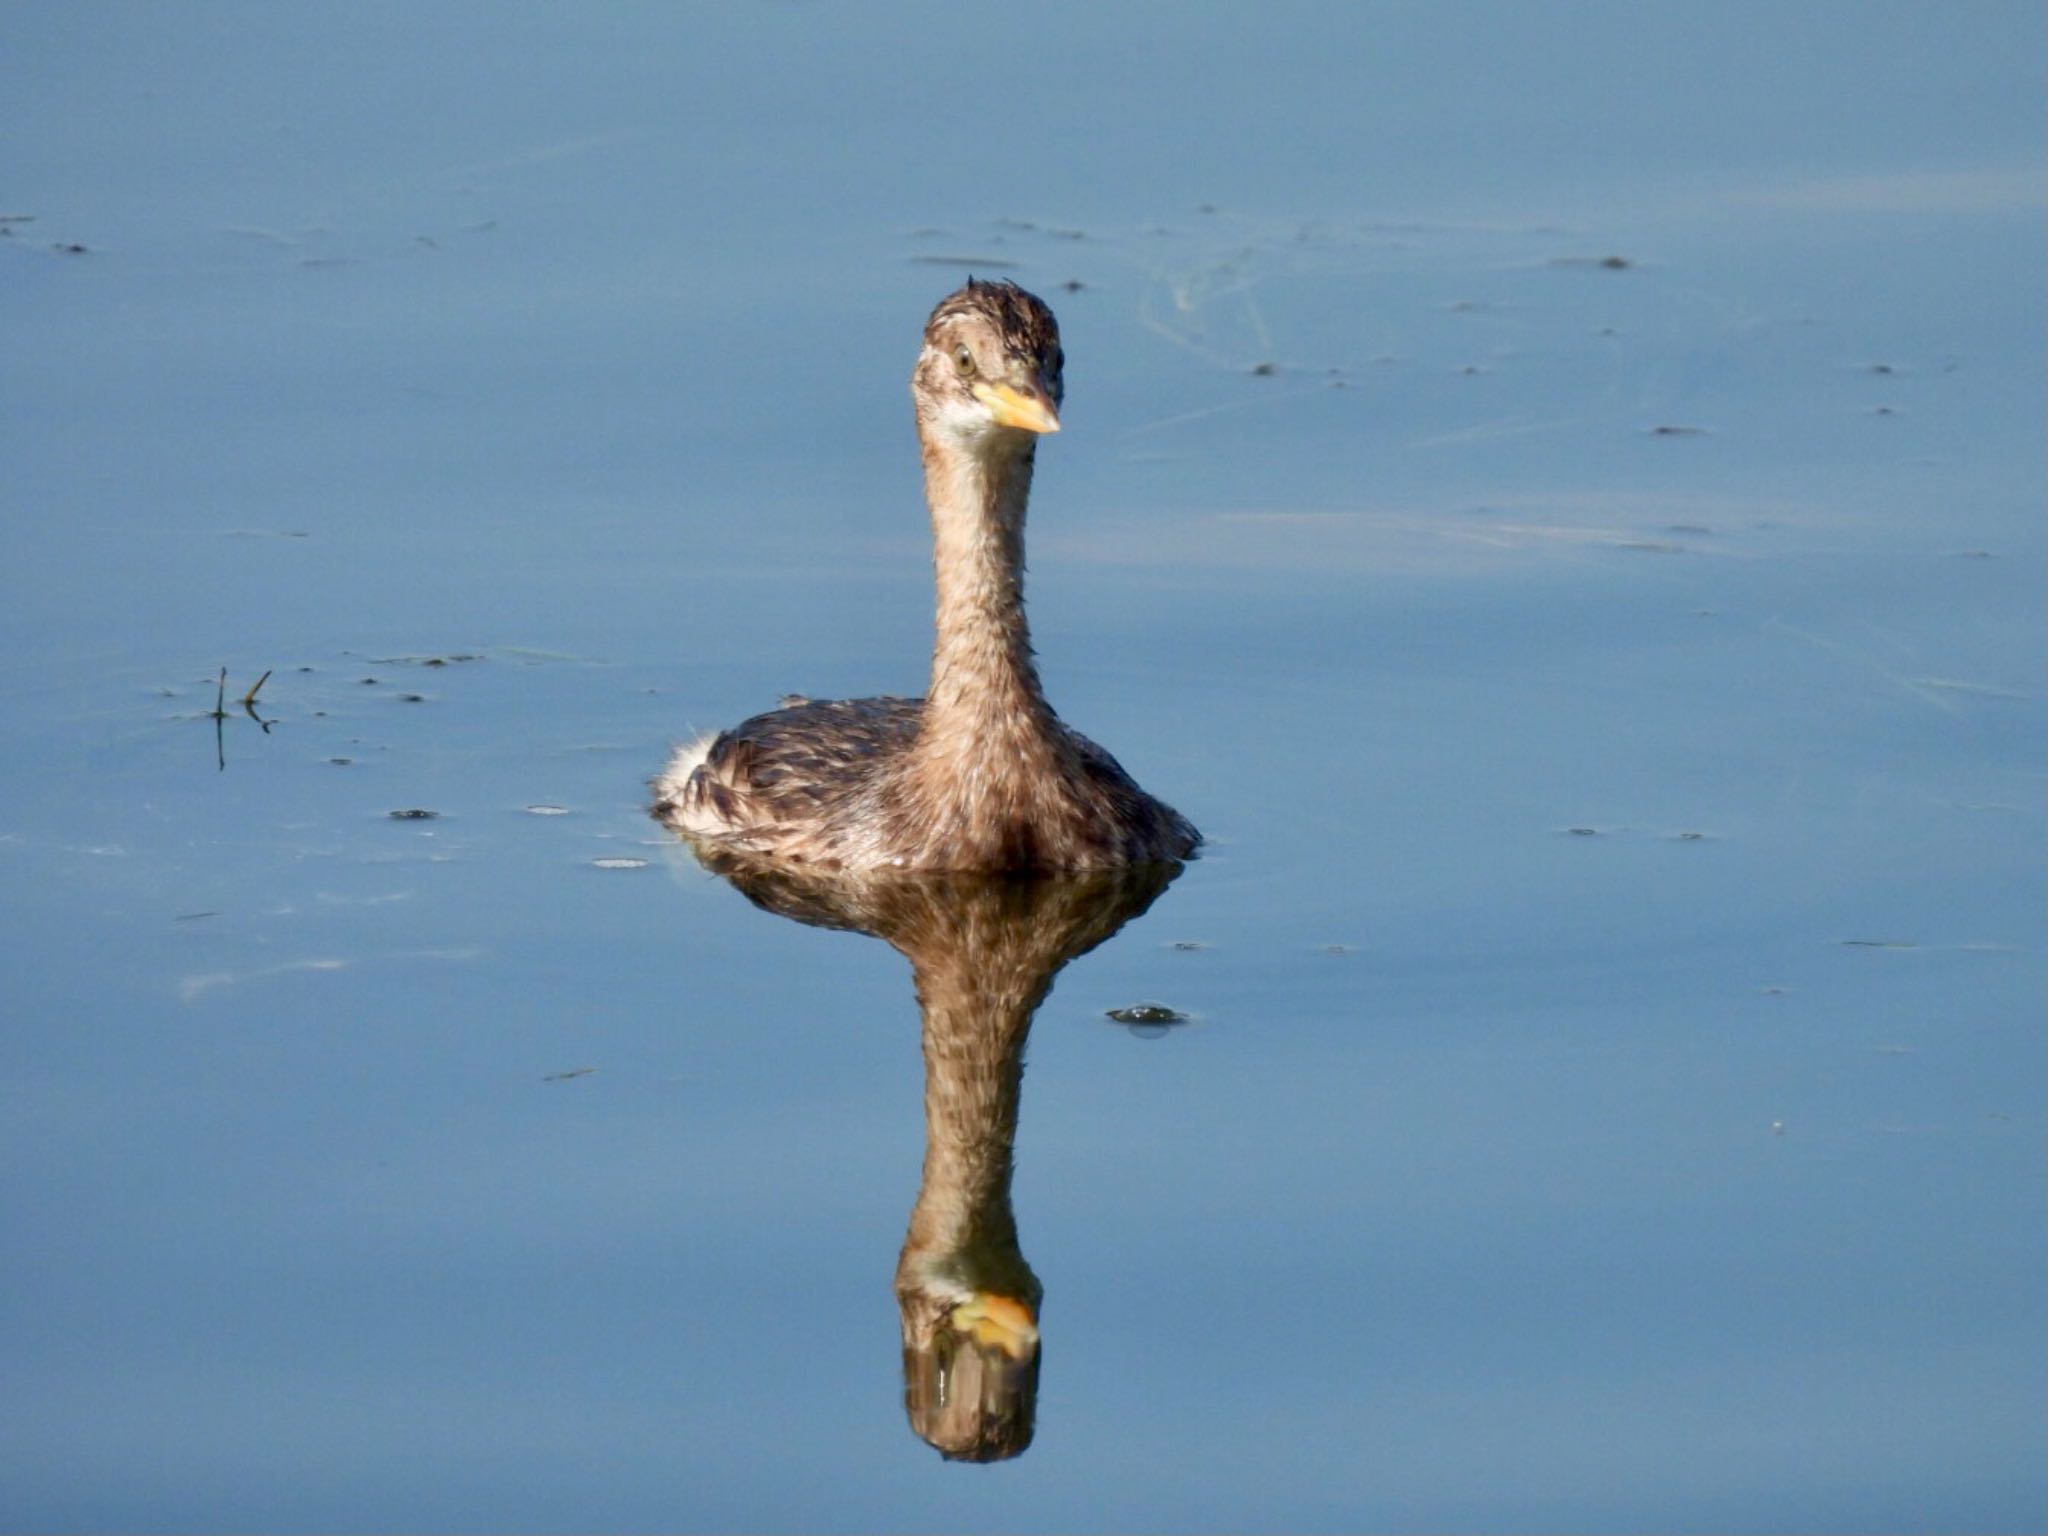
(980, 774)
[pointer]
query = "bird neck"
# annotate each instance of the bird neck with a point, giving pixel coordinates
(977, 1013)
(982, 672)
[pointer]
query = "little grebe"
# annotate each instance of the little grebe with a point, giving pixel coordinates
(980, 774)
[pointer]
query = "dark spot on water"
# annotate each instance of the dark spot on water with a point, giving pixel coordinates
(1678, 431)
(1147, 1013)
(1073, 285)
(563, 1077)
(1882, 368)
(341, 762)
(412, 698)
(1692, 837)
(1582, 831)
(193, 917)
(1879, 944)
(368, 682)
(415, 815)
(1615, 263)
(1264, 370)
(1187, 944)
(68, 248)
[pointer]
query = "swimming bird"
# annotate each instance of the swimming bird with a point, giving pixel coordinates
(980, 774)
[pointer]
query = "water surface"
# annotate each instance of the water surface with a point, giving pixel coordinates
(1555, 496)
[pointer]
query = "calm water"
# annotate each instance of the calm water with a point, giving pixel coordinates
(1554, 493)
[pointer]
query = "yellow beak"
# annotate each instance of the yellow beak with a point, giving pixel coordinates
(1002, 1322)
(1032, 410)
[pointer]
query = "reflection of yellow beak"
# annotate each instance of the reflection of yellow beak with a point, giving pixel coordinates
(1001, 1321)
(1031, 410)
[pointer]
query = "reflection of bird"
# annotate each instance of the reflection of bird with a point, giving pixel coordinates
(984, 950)
(980, 774)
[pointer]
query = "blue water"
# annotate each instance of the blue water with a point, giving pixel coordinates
(1554, 493)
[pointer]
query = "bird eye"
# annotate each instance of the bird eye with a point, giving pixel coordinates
(963, 358)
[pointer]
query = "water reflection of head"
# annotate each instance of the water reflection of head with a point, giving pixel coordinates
(983, 950)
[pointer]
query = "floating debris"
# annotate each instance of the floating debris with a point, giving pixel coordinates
(1264, 370)
(425, 661)
(1678, 431)
(1185, 945)
(563, 1077)
(1147, 1013)
(415, 814)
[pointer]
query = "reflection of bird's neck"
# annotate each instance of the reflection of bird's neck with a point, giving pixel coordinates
(975, 1024)
(983, 679)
